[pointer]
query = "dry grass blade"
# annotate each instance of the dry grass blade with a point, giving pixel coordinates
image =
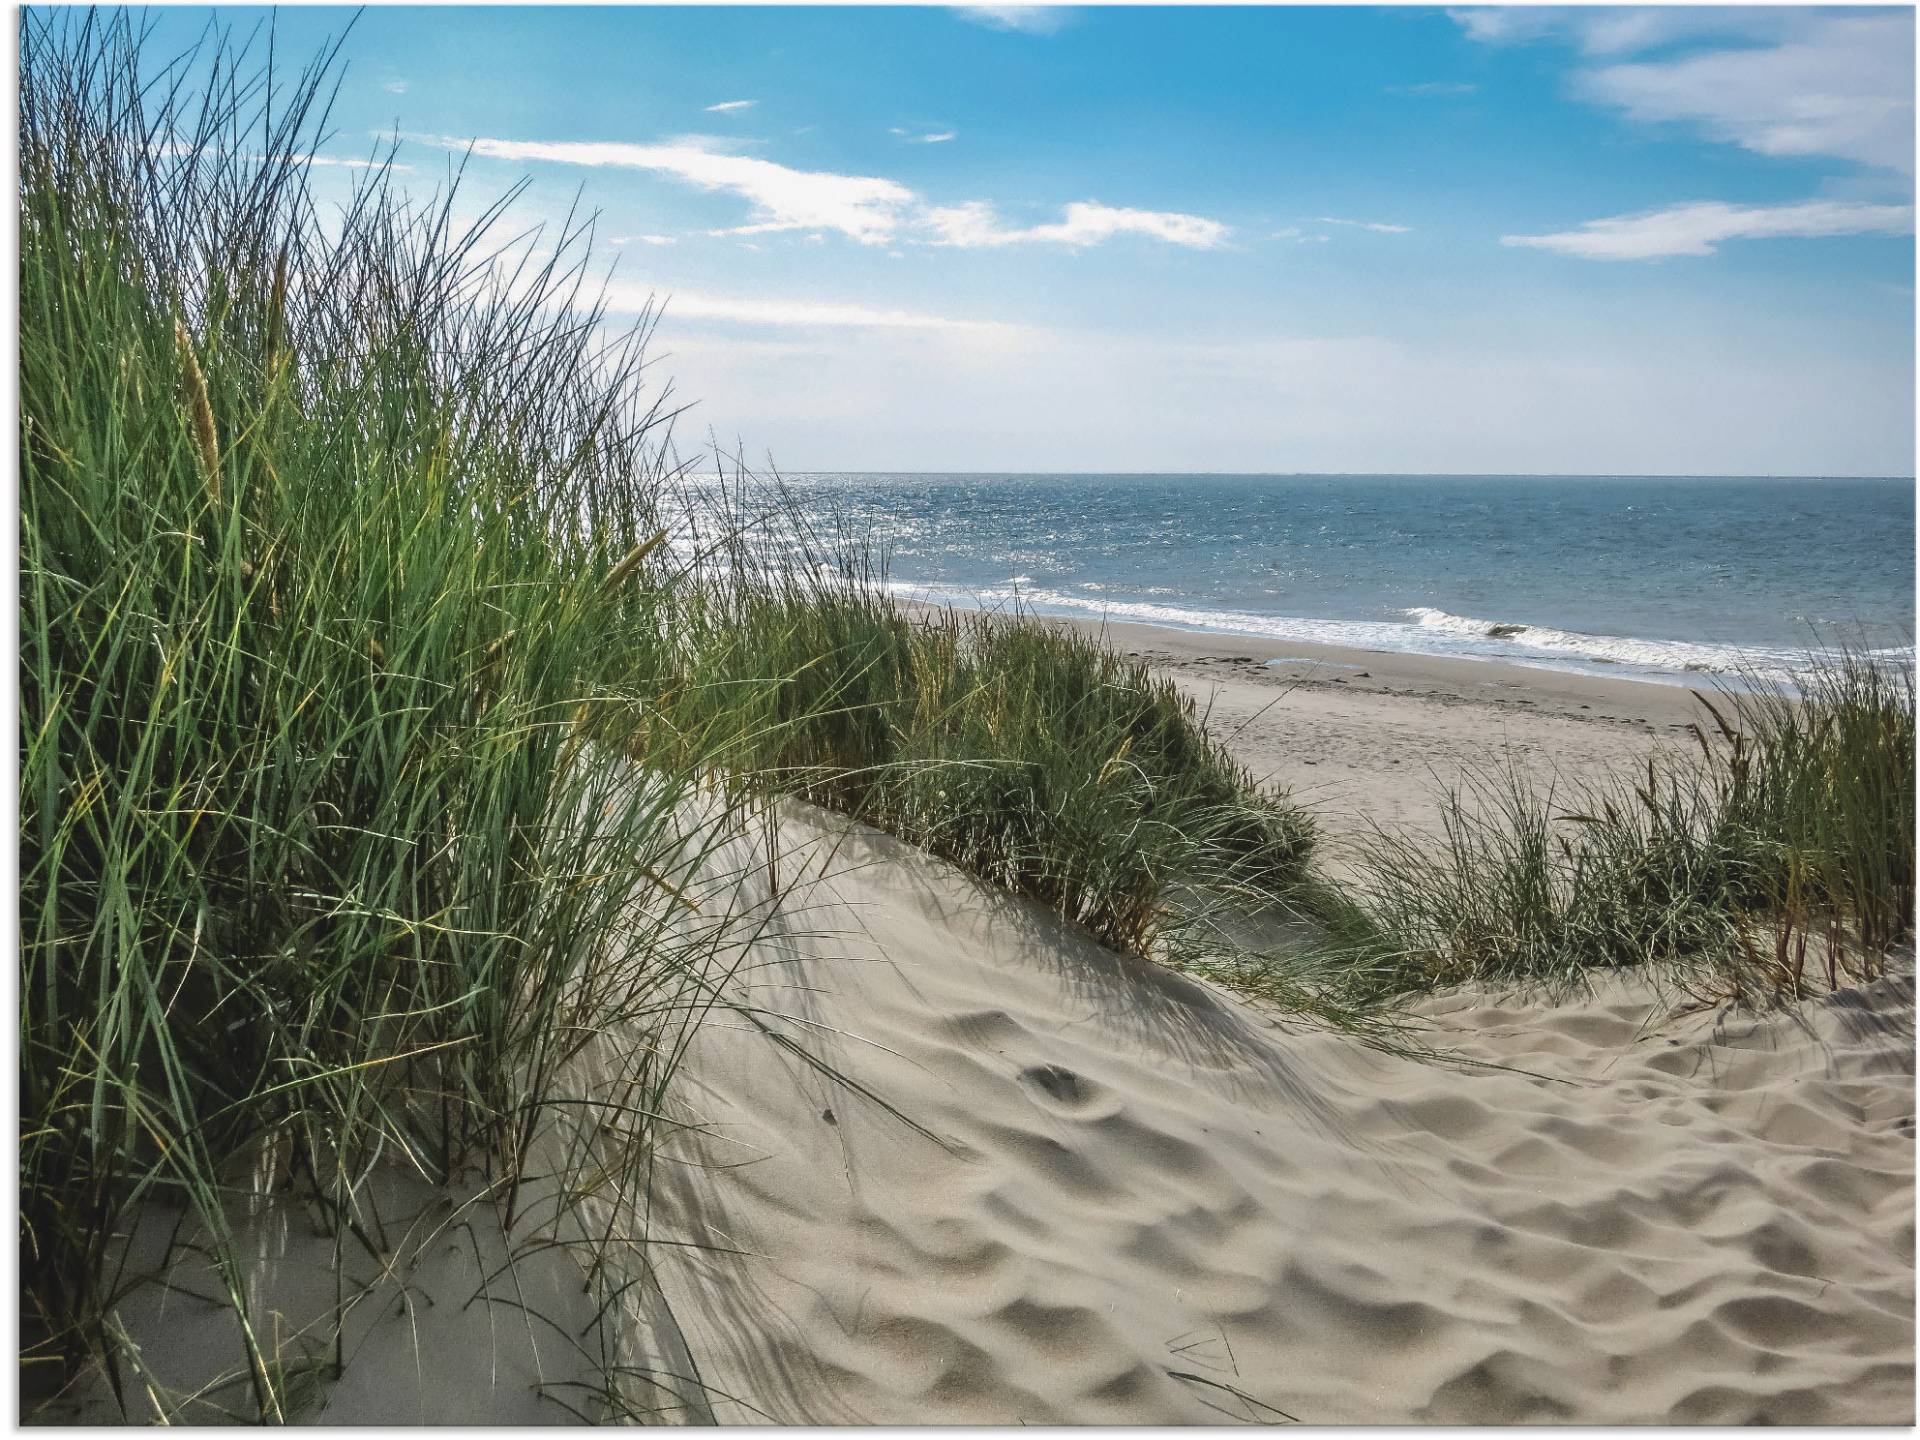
(193, 389)
(629, 563)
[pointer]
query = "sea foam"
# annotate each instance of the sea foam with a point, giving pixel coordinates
(1424, 631)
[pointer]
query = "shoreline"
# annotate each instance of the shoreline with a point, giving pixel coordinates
(1444, 678)
(1665, 662)
(1366, 738)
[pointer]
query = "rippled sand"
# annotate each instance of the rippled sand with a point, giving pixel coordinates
(1052, 1185)
(1114, 1195)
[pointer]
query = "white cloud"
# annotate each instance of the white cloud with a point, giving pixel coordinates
(640, 240)
(866, 208)
(819, 314)
(1084, 222)
(395, 87)
(320, 162)
(863, 207)
(1445, 89)
(1374, 225)
(1027, 19)
(936, 138)
(725, 106)
(629, 298)
(1700, 229)
(1778, 80)
(1843, 88)
(1299, 236)
(1612, 30)
(1505, 26)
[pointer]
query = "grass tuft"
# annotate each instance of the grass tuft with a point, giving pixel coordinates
(1789, 839)
(314, 865)
(1032, 757)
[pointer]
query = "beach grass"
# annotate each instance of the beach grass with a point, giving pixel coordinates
(329, 528)
(1781, 853)
(1032, 757)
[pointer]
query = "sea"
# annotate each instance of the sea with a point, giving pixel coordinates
(1667, 578)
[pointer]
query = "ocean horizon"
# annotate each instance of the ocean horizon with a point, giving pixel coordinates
(1665, 578)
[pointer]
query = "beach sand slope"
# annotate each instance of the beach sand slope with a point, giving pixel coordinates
(1100, 1192)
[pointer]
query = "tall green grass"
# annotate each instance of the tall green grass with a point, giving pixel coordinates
(345, 616)
(330, 527)
(1780, 854)
(1033, 757)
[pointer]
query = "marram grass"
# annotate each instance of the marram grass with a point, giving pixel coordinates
(1032, 757)
(315, 863)
(1779, 856)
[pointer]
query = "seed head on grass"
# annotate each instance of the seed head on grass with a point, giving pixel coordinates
(630, 562)
(277, 317)
(193, 389)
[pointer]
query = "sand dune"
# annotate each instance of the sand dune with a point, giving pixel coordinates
(1050, 1184)
(1110, 1194)
(448, 1322)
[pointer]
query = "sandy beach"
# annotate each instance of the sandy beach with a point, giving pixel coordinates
(1108, 1194)
(1046, 1183)
(1098, 1192)
(1368, 736)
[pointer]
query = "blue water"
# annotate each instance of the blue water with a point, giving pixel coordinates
(1664, 578)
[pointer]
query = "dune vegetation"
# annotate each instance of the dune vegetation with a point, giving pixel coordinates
(329, 528)
(1034, 758)
(346, 608)
(1779, 856)
(358, 583)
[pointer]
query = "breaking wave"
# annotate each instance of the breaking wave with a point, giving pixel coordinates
(1423, 631)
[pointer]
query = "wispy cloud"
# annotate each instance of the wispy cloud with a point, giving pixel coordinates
(1299, 236)
(640, 240)
(1083, 223)
(1377, 226)
(395, 87)
(1505, 25)
(627, 297)
(337, 162)
(1778, 80)
(865, 208)
(819, 314)
(1843, 88)
(321, 162)
(726, 106)
(938, 137)
(1599, 31)
(1443, 89)
(1026, 19)
(1700, 229)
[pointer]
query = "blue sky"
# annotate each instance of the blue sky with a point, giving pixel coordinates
(1337, 239)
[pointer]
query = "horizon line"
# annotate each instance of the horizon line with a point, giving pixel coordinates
(1380, 474)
